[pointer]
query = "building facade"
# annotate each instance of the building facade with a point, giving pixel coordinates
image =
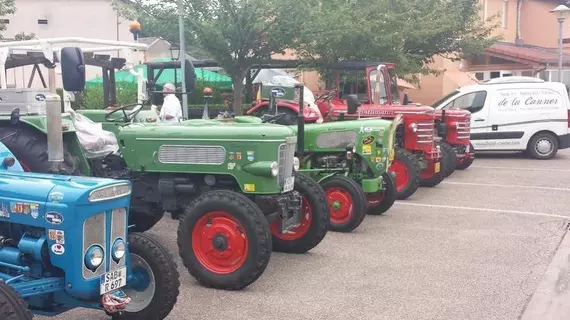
(94, 19)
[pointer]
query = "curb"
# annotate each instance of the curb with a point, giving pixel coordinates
(551, 300)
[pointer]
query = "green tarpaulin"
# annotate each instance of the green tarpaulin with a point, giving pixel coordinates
(219, 81)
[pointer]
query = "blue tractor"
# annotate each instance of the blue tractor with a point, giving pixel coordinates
(64, 242)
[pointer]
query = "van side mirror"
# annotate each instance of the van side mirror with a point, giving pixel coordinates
(352, 103)
(189, 77)
(406, 99)
(72, 69)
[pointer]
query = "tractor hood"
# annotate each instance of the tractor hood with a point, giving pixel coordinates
(453, 113)
(206, 130)
(374, 110)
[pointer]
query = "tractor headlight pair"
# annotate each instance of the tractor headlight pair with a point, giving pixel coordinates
(95, 254)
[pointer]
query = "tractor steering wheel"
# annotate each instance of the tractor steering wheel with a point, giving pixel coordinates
(126, 117)
(268, 118)
(327, 96)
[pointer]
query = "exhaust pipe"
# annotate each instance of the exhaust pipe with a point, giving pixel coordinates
(301, 120)
(54, 130)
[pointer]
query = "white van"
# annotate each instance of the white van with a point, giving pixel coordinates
(515, 114)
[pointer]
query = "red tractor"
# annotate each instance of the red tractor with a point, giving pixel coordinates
(454, 126)
(417, 158)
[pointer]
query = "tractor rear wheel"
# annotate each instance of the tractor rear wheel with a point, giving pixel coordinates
(315, 219)
(407, 170)
(347, 203)
(30, 148)
(381, 201)
(12, 306)
(154, 282)
(224, 240)
(450, 161)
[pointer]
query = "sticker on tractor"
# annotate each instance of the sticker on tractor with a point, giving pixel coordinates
(364, 129)
(26, 208)
(54, 217)
(4, 213)
(251, 155)
(35, 208)
(249, 187)
(366, 149)
(278, 92)
(380, 166)
(391, 155)
(231, 155)
(368, 140)
(378, 159)
(40, 97)
(238, 155)
(57, 235)
(231, 165)
(57, 249)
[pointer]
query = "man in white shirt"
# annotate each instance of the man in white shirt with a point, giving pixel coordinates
(171, 110)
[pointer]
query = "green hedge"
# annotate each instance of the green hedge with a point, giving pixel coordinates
(92, 97)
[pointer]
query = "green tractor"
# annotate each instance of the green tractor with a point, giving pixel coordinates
(349, 159)
(234, 185)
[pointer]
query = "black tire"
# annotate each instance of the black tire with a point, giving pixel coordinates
(546, 139)
(350, 191)
(389, 196)
(407, 159)
(30, 148)
(320, 220)
(450, 163)
(290, 117)
(467, 162)
(254, 226)
(146, 249)
(438, 177)
(12, 306)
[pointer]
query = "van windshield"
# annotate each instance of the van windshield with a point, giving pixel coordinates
(436, 104)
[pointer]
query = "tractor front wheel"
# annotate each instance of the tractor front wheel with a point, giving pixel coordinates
(315, 219)
(466, 163)
(153, 284)
(381, 201)
(407, 170)
(224, 240)
(12, 306)
(450, 161)
(347, 203)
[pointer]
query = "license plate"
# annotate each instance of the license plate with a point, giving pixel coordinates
(289, 184)
(113, 280)
(467, 149)
(437, 165)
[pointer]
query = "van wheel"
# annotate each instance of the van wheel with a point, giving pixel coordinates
(543, 146)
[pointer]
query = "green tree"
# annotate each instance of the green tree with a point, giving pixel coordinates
(409, 33)
(7, 7)
(24, 36)
(236, 33)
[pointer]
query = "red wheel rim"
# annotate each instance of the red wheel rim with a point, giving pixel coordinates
(402, 174)
(375, 199)
(340, 205)
(219, 242)
(301, 229)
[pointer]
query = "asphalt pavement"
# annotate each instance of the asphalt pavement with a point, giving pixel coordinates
(475, 247)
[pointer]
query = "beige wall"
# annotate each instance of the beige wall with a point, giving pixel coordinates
(540, 27)
(66, 18)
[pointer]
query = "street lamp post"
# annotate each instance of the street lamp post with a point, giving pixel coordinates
(561, 11)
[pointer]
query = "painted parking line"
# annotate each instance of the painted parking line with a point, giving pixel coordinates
(528, 213)
(505, 186)
(522, 168)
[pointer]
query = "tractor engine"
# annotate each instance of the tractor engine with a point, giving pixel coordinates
(331, 161)
(24, 249)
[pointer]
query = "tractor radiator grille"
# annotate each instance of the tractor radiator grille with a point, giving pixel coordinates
(286, 156)
(425, 132)
(463, 129)
(118, 229)
(188, 154)
(336, 139)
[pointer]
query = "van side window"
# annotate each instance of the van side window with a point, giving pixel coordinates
(473, 102)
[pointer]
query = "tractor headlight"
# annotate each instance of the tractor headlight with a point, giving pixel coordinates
(274, 169)
(413, 127)
(110, 192)
(94, 257)
(296, 164)
(119, 249)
